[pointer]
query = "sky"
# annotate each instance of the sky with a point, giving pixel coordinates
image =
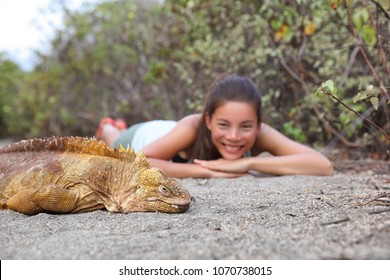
(28, 25)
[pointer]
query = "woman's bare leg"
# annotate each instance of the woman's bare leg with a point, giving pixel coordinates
(109, 134)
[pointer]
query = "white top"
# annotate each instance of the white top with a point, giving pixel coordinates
(149, 132)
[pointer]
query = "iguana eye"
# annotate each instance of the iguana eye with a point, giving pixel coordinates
(164, 191)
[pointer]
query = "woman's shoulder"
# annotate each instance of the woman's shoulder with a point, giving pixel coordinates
(268, 139)
(266, 129)
(267, 133)
(271, 140)
(192, 120)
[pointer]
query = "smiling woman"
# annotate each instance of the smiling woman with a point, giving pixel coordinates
(223, 141)
(234, 126)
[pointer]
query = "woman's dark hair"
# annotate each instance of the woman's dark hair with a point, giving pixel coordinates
(224, 89)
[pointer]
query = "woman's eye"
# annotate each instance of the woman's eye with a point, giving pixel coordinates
(247, 126)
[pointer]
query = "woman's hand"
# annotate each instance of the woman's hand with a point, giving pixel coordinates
(239, 166)
(190, 170)
(218, 174)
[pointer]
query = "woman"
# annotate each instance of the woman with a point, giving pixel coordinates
(223, 141)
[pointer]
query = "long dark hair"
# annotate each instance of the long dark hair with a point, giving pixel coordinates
(224, 89)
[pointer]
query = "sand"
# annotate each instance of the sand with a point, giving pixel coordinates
(278, 218)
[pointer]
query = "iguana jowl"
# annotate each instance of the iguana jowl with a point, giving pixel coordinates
(76, 174)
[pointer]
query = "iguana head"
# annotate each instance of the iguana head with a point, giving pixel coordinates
(156, 191)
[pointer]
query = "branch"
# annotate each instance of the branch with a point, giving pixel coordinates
(383, 89)
(379, 44)
(327, 126)
(359, 43)
(379, 6)
(355, 112)
(349, 65)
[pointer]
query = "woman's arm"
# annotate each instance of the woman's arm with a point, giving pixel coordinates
(189, 170)
(305, 164)
(289, 157)
(179, 139)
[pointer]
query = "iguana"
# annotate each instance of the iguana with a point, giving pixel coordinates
(77, 174)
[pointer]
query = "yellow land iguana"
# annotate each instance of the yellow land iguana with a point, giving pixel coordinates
(76, 174)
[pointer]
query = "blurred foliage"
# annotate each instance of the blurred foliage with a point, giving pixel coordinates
(11, 79)
(145, 60)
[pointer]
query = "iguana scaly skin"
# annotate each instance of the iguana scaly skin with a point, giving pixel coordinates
(76, 174)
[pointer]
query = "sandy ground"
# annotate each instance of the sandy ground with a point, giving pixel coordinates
(288, 217)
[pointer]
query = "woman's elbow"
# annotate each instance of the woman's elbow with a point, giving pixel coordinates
(326, 168)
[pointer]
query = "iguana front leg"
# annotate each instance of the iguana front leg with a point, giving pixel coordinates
(45, 199)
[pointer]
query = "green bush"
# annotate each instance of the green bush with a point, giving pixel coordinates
(150, 59)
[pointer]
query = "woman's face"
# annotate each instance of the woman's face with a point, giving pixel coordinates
(233, 127)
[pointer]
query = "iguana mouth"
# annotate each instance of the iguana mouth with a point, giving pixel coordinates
(182, 208)
(179, 207)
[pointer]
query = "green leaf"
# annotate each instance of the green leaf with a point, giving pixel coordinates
(375, 102)
(359, 18)
(360, 96)
(373, 91)
(369, 35)
(329, 87)
(360, 87)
